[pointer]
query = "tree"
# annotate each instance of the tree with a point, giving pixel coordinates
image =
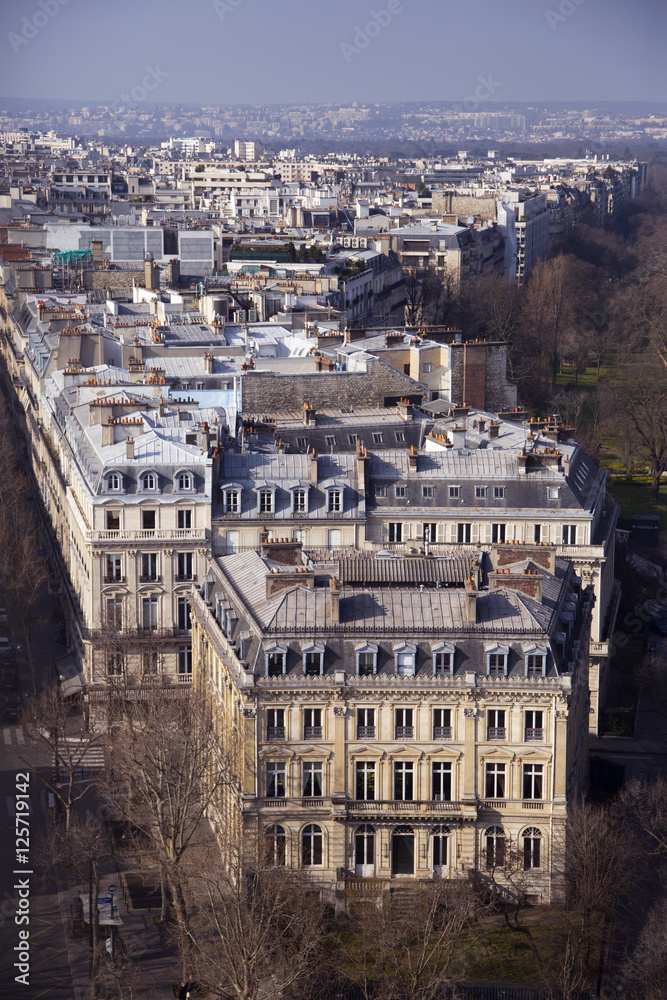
(645, 971)
(167, 768)
(52, 724)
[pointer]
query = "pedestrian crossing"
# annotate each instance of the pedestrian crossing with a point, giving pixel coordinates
(89, 759)
(13, 736)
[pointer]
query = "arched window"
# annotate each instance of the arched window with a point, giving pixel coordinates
(364, 850)
(275, 842)
(312, 846)
(532, 840)
(113, 482)
(440, 836)
(149, 481)
(403, 851)
(184, 481)
(495, 847)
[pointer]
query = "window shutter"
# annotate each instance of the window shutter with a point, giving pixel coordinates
(475, 532)
(488, 532)
(440, 531)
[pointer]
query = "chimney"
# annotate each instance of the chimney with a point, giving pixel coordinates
(160, 407)
(308, 415)
(107, 433)
(405, 410)
(96, 247)
(205, 438)
(494, 429)
(458, 436)
(129, 447)
(208, 364)
(412, 458)
(471, 603)
(334, 602)
(362, 459)
(313, 467)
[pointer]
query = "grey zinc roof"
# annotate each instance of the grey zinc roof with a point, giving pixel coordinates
(370, 571)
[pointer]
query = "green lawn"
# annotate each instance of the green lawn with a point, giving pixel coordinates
(634, 497)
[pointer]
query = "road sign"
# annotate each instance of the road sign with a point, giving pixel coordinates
(112, 888)
(59, 784)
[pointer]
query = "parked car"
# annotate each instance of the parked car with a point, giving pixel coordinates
(6, 648)
(8, 679)
(10, 706)
(4, 617)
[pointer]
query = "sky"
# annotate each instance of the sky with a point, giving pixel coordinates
(333, 51)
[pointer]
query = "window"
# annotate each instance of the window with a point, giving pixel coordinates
(115, 664)
(428, 492)
(498, 532)
(404, 728)
(532, 781)
(364, 846)
(184, 481)
(380, 491)
(365, 723)
(266, 501)
(276, 785)
(403, 851)
(533, 726)
(114, 571)
(312, 723)
(430, 530)
(353, 438)
(149, 482)
(313, 664)
(365, 780)
(334, 501)
(498, 492)
(441, 781)
(366, 662)
(495, 724)
(537, 533)
(378, 437)
(149, 662)
(184, 566)
(113, 520)
(148, 520)
(185, 660)
(494, 786)
(427, 366)
(480, 492)
(232, 501)
(299, 501)
(443, 664)
(403, 780)
(115, 613)
(463, 534)
(275, 724)
(495, 847)
(395, 531)
(405, 663)
(552, 492)
(330, 440)
(275, 842)
(113, 482)
(454, 492)
(275, 664)
(183, 615)
(442, 724)
(148, 567)
(569, 534)
(531, 848)
(312, 846)
(399, 437)
(400, 492)
(184, 518)
(497, 664)
(535, 665)
(302, 442)
(149, 613)
(313, 783)
(440, 838)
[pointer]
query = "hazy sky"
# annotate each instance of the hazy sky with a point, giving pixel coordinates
(275, 51)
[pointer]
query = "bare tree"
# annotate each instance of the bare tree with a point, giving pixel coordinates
(52, 724)
(644, 974)
(645, 803)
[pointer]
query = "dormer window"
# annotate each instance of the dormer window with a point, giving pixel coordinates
(404, 656)
(536, 660)
(334, 501)
(276, 660)
(114, 482)
(313, 660)
(300, 501)
(149, 482)
(232, 501)
(496, 661)
(265, 501)
(367, 659)
(184, 481)
(443, 660)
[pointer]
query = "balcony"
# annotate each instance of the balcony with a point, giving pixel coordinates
(365, 732)
(114, 578)
(496, 733)
(145, 534)
(185, 678)
(312, 733)
(275, 733)
(183, 577)
(533, 735)
(150, 578)
(403, 806)
(442, 732)
(404, 732)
